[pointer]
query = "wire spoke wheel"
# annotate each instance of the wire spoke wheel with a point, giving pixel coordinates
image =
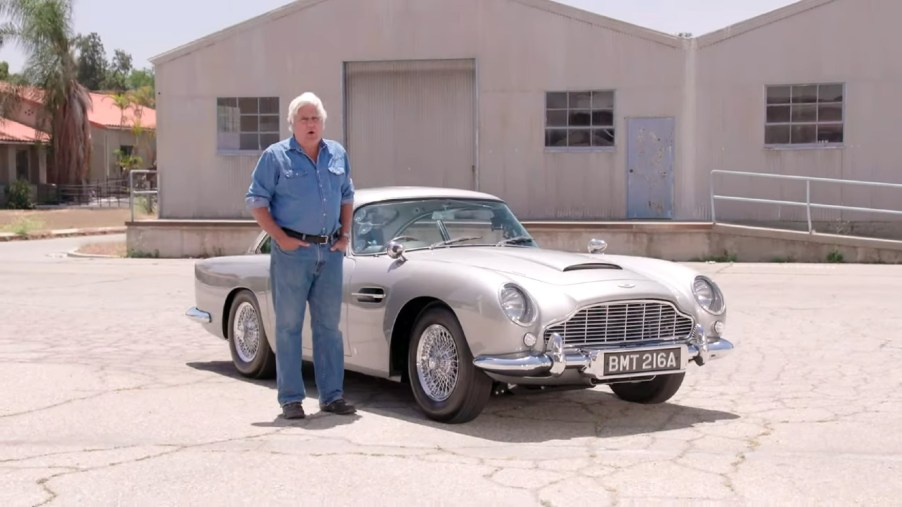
(247, 332)
(437, 364)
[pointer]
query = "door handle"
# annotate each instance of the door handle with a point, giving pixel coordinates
(369, 295)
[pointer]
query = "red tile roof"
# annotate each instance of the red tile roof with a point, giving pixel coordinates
(103, 111)
(15, 132)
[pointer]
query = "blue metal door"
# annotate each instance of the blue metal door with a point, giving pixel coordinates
(649, 164)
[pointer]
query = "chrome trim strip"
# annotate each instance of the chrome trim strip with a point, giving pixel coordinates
(199, 315)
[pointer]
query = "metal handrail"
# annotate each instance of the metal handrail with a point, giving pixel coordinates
(132, 192)
(807, 204)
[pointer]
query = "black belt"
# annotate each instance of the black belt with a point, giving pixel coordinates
(309, 238)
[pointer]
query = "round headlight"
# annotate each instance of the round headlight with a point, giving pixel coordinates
(515, 304)
(708, 295)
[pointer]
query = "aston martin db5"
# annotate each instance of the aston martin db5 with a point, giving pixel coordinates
(447, 291)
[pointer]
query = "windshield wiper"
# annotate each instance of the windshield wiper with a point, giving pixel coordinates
(455, 240)
(514, 240)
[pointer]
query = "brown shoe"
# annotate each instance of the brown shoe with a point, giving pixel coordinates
(339, 406)
(293, 410)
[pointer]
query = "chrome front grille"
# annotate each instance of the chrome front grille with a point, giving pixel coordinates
(623, 322)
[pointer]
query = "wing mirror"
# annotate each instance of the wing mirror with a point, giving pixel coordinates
(597, 245)
(395, 250)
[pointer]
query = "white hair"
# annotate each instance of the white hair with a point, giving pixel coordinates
(305, 99)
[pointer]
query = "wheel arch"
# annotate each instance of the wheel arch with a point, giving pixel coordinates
(227, 307)
(405, 321)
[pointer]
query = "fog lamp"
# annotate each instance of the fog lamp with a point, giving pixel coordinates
(718, 327)
(529, 340)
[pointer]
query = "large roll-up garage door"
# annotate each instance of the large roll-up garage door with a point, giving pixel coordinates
(411, 122)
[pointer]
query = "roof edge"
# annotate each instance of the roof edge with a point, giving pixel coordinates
(298, 5)
(235, 29)
(759, 21)
(603, 21)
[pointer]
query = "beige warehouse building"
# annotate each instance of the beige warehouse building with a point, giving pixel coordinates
(566, 114)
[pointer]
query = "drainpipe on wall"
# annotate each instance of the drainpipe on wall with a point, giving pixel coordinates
(689, 174)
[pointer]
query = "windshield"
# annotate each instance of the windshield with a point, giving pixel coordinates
(436, 223)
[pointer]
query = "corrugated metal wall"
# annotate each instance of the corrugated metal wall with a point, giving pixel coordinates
(825, 42)
(411, 122)
(416, 123)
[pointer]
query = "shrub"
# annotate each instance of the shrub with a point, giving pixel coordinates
(18, 195)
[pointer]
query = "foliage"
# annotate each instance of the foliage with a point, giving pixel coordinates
(141, 78)
(99, 74)
(18, 195)
(119, 70)
(92, 64)
(127, 161)
(835, 256)
(25, 225)
(135, 100)
(43, 30)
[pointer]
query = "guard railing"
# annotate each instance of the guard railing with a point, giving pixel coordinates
(147, 182)
(808, 204)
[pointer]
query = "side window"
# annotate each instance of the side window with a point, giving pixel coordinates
(266, 246)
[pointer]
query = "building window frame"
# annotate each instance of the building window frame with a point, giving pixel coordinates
(790, 111)
(247, 124)
(585, 112)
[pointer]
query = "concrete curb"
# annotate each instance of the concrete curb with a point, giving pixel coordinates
(75, 253)
(62, 233)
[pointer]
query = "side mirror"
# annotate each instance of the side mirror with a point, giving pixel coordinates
(597, 245)
(395, 250)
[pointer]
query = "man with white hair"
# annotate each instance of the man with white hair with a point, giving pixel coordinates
(301, 194)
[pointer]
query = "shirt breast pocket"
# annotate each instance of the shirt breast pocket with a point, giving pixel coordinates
(337, 166)
(294, 183)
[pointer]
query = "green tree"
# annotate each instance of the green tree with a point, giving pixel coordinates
(43, 31)
(140, 78)
(4, 71)
(119, 70)
(92, 64)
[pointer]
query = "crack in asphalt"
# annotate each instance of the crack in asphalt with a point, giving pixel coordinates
(175, 448)
(536, 444)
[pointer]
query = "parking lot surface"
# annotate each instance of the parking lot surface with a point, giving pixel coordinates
(112, 397)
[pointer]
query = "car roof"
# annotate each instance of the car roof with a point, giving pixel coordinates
(363, 196)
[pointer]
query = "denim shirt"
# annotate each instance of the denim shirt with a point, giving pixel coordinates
(302, 194)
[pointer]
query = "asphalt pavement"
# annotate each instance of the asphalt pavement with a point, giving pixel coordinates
(112, 397)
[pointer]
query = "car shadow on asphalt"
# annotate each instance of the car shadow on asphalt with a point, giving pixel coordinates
(518, 416)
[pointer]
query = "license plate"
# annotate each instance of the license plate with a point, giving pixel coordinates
(642, 361)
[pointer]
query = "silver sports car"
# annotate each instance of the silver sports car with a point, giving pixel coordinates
(446, 290)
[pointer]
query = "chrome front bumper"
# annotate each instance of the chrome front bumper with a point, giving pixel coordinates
(556, 360)
(194, 313)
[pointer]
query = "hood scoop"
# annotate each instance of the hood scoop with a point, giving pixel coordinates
(591, 265)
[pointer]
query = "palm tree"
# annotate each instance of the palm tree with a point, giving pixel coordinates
(43, 30)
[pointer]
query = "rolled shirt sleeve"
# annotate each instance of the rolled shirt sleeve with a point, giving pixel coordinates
(347, 189)
(263, 182)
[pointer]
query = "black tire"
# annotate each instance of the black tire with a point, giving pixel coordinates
(254, 363)
(657, 390)
(472, 388)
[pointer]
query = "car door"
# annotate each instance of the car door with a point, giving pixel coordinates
(368, 290)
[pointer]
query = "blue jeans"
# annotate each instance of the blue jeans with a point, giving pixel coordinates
(313, 275)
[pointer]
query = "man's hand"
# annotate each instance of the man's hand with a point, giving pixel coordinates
(287, 243)
(341, 244)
